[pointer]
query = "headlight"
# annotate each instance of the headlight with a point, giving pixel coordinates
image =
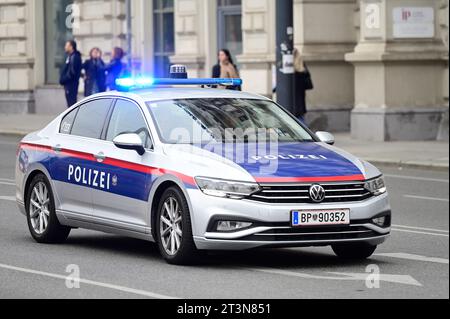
(376, 186)
(226, 189)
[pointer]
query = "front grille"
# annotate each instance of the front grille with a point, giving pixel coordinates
(299, 193)
(286, 234)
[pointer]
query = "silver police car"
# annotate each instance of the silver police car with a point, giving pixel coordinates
(197, 169)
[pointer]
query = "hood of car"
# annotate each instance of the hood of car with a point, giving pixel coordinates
(296, 162)
(282, 162)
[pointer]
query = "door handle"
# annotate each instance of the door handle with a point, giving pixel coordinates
(100, 157)
(57, 148)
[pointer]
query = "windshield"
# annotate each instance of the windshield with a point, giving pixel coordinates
(224, 120)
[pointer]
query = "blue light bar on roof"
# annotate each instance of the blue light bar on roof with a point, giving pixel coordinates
(128, 84)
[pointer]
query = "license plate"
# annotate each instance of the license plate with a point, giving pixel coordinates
(320, 217)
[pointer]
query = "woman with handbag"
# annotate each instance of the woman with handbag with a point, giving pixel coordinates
(302, 83)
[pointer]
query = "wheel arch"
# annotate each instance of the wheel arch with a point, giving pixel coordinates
(32, 174)
(158, 190)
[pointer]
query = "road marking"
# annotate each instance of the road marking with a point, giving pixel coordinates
(418, 232)
(422, 228)
(427, 198)
(425, 179)
(7, 183)
(8, 198)
(399, 279)
(90, 282)
(414, 257)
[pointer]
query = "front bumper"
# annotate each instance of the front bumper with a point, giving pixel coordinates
(271, 223)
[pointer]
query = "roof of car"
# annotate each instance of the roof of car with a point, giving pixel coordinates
(158, 94)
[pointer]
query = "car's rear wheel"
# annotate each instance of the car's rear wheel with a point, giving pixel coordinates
(173, 228)
(356, 251)
(41, 216)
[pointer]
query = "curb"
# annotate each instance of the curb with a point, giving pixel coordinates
(416, 165)
(14, 133)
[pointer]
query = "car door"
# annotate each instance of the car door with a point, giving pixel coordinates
(75, 170)
(125, 204)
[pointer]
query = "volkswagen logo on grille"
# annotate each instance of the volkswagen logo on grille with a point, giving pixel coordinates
(317, 193)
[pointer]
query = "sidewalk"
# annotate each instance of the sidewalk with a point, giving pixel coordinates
(430, 154)
(22, 124)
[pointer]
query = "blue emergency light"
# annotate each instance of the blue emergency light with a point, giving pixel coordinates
(178, 77)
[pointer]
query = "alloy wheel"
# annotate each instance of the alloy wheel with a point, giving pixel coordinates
(39, 210)
(171, 226)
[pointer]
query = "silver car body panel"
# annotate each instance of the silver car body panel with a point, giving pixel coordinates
(120, 201)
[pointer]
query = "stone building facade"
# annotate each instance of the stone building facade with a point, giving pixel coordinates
(380, 67)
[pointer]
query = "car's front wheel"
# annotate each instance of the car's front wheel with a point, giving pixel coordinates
(174, 229)
(356, 251)
(41, 215)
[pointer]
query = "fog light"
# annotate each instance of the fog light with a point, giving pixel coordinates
(229, 226)
(380, 221)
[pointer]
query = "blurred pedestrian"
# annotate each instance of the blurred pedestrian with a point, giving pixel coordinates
(114, 68)
(70, 74)
(94, 73)
(302, 83)
(226, 69)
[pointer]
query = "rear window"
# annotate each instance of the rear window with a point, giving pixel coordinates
(90, 118)
(67, 122)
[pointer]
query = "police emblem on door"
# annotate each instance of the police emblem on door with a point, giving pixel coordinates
(114, 180)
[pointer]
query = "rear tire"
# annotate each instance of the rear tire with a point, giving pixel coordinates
(41, 215)
(174, 229)
(357, 251)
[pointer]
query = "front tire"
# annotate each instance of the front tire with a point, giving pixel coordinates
(357, 251)
(174, 229)
(41, 215)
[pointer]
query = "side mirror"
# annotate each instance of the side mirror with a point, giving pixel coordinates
(326, 137)
(130, 142)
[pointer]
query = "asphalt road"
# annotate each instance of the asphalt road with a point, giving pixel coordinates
(413, 263)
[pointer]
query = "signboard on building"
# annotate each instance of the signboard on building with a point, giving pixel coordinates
(414, 22)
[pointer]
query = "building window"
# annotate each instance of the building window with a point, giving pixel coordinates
(56, 34)
(164, 39)
(230, 26)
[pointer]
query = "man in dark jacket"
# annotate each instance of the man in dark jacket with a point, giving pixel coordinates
(70, 75)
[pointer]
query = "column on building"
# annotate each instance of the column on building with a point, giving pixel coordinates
(92, 23)
(101, 24)
(258, 57)
(399, 65)
(444, 22)
(16, 56)
(195, 36)
(324, 33)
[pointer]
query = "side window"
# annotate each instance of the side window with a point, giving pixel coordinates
(90, 118)
(128, 118)
(67, 122)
